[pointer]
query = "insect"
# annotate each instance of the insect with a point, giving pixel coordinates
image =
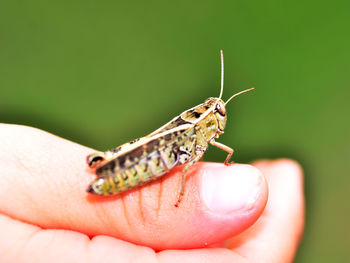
(183, 140)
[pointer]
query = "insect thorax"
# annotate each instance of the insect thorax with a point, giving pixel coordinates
(209, 117)
(209, 126)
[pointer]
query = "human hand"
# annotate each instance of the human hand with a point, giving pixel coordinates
(46, 215)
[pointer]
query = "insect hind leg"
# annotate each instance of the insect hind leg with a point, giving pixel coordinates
(95, 159)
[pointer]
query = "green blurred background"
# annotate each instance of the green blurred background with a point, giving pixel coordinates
(101, 73)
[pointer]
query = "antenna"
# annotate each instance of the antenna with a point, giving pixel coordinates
(239, 93)
(222, 73)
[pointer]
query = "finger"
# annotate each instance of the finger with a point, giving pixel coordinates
(24, 243)
(21, 242)
(276, 235)
(44, 179)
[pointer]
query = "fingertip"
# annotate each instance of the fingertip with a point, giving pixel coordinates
(233, 189)
(284, 172)
(281, 163)
(231, 198)
(281, 229)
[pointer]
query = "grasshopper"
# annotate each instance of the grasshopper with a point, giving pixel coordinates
(183, 140)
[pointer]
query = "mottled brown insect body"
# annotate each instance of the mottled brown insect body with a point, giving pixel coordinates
(181, 141)
(140, 165)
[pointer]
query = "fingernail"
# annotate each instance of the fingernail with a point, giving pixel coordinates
(231, 189)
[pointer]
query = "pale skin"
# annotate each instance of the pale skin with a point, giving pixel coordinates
(46, 215)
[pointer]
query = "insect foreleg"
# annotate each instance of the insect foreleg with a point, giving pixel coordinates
(225, 148)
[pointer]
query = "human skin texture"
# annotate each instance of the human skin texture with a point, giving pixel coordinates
(236, 213)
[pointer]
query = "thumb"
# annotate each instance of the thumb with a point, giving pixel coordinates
(44, 180)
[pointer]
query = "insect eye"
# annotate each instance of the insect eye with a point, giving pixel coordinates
(221, 109)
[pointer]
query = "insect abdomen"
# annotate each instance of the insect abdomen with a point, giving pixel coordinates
(113, 179)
